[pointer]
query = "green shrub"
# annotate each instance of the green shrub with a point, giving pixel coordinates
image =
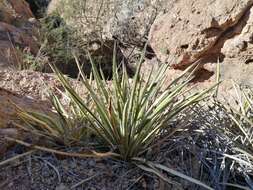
(58, 40)
(28, 61)
(127, 115)
(57, 43)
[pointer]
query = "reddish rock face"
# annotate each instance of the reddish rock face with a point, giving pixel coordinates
(8, 112)
(195, 29)
(16, 31)
(205, 31)
(22, 8)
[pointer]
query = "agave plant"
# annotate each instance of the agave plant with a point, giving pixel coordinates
(129, 113)
(64, 126)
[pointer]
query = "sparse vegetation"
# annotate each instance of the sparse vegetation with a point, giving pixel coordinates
(241, 130)
(67, 127)
(242, 116)
(166, 131)
(127, 116)
(28, 61)
(58, 39)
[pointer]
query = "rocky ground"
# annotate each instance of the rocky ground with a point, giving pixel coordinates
(178, 32)
(41, 170)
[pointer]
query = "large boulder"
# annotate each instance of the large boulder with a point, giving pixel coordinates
(98, 23)
(198, 30)
(129, 21)
(207, 32)
(17, 31)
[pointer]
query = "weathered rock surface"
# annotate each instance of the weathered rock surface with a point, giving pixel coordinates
(132, 20)
(28, 83)
(241, 45)
(129, 21)
(198, 30)
(26, 89)
(29, 91)
(15, 11)
(16, 31)
(206, 31)
(35, 85)
(104, 21)
(8, 112)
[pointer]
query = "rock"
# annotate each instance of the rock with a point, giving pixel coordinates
(27, 90)
(16, 31)
(241, 45)
(129, 21)
(21, 8)
(207, 31)
(237, 51)
(35, 85)
(15, 12)
(8, 112)
(61, 40)
(11, 37)
(29, 83)
(104, 21)
(62, 187)
(196, 31)
(132, 20)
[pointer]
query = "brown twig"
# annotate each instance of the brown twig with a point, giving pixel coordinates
(90, 154)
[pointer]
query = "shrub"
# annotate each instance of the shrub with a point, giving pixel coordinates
(127, 115)
(57, 40)
(29, 61)
(57, 43)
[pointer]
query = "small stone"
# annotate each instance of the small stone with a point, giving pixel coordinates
(92, 163)
(62, 187)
